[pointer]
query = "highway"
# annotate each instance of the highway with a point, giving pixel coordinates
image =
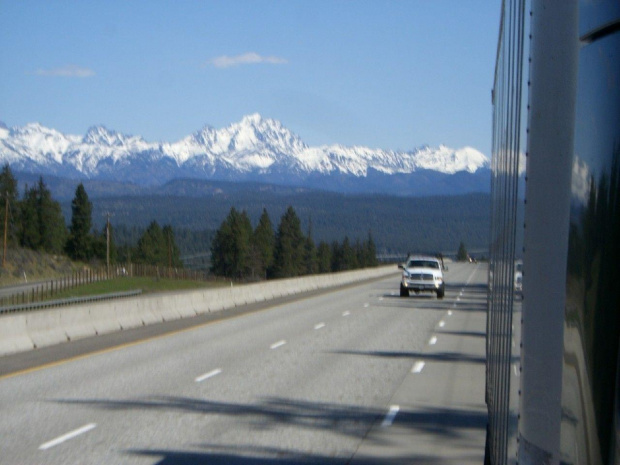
(355, 375)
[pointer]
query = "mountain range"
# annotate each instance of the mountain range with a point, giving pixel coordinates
(255, 149)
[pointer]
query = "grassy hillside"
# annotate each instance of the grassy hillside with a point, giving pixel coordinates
(23, 265)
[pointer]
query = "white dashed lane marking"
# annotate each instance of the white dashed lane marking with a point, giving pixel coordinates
(390, 416)
(211, 374)
(278, 344)
(418, 367)
(66, 437)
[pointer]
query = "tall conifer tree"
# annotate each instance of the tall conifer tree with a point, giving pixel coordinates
(263, 242)
(311, 265)
(173, 255)
(8, 198)
(230, 249)
(42, 225)
(289, 247)
(324, 257)
(152, 247)
(80, 242)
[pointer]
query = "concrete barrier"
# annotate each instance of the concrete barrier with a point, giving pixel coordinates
(78, 322)
(148, 311)
(104, 319)
(14, 334)
(44, 328)
(128, 314)
(25, 331)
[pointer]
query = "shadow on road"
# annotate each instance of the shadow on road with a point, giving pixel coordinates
(232, 455)
(436, 357)
(272, 413)
(427, 302)
(481, 334)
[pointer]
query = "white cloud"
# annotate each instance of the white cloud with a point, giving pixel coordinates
(250, 58)
(66, 71)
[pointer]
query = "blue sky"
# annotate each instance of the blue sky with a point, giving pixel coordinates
(383, 74)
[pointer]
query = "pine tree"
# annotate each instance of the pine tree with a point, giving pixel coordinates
(349, 258)
(172, 251)
(243, 235)
(324, 258)
(462, 255)
(337, 258)
(80, 242)
(311, 265)
(263, 242)
(29, 231)
(152, 248)
(42, 225)
(289, 247)
(230, 249)
(8, 193)
(57, 230)
(370, 252)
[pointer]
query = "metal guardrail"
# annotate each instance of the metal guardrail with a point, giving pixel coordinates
(64, 302)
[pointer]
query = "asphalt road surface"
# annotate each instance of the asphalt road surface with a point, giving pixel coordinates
(356, 375)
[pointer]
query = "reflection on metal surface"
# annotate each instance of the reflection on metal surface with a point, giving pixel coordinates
(569, 364)
(501, 384)
(595, 15)
(592, 317)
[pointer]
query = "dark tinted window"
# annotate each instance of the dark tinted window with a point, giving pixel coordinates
(423, 264)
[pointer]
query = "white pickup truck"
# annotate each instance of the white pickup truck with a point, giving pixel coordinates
(422, 273)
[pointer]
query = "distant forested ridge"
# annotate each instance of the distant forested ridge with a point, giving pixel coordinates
(398, 224)
(195, 209)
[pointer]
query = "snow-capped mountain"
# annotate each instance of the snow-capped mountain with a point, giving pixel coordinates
(253, 149)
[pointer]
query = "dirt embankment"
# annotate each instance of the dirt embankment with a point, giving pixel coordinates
(21, 265)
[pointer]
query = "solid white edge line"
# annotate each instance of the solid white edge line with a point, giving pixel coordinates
(275, 345)
(390, 416)
(66, 437)
(418, 367)
(211, 374)
(319, 326)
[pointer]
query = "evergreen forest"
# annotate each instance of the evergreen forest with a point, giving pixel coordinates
(124, 221)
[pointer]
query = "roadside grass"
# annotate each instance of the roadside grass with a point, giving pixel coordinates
(147, 285)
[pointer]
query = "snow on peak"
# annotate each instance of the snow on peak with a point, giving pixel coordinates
(252, 145)
(253, 119)
(448, 160)
(101, 135)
